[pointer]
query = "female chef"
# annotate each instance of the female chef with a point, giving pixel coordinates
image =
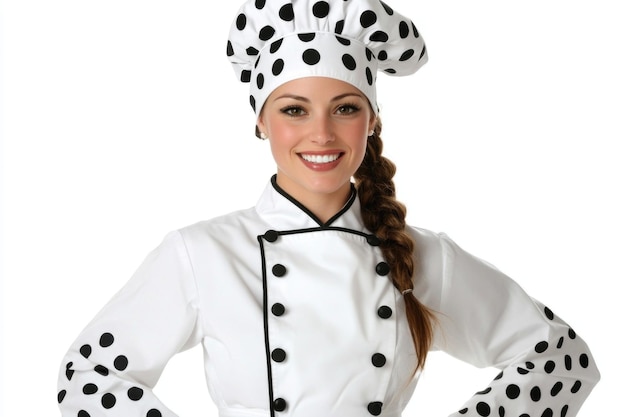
(320, 300)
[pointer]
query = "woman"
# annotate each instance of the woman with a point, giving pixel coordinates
(320, 300)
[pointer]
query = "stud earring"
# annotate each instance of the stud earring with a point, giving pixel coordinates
(262, 135)
(371, 133)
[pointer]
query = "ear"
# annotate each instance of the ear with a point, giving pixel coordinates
(372, 123)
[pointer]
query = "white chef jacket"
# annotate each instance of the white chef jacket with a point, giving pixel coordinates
(299, 318)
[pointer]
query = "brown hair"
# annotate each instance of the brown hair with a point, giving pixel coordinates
(385, 217)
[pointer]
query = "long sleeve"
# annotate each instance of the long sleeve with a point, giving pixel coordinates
(488, 320)
(115, 362)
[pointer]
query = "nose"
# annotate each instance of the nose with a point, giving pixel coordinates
(323, 131)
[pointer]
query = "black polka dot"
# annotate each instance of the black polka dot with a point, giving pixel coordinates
(541, 347)
(252, 102)
(571, 333)
(306, 37)
(559, 345)
(61, 396)
(576, 387)
(549, 367)
(483, 409)
(549, 314)
(260, 81)
(568, 362)
(286, 12)
(388, 9)
(369, 76)
(85, 350)
(530, 365)
(369, 54)
(499, 376)
(154, 413)
(275, 46)
(89, 389)
(256, 63)
(406, 55)
(83, 413)
(564, 410)
(321, 9)
(106, 339)
(120, 363)
(343, 41)
(512, 391)
(108, 400)
(242, 20)
(382, 56)
(348, 62)
(404, 30)
(135, 393)
(522, 371)
(368, 18)
(250, 51)
(422, 53)
(102, 370)
(415, 32)
(535, 394)
(584, 360)
(311, 56)
(501, 411)
(229, 49)
(524, 415)
(339, 27)
(278, 67)
(483, 392)
(463, 411)
(556, 389)
(266, 33)
(69, 373)
(379, 36)
(259, 4)
(547, 413)
(245, 76)
(390, 71)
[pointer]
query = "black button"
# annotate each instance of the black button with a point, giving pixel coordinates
(278, 309)
(280, 404)
(279, 355)
(375, 408)
(271, 236)
(279, 270)
(382, 268)
(378, 360)
(373, 240)
(384, 312)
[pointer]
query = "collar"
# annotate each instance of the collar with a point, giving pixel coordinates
(283, 212)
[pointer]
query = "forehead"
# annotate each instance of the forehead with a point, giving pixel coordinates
(316, 87)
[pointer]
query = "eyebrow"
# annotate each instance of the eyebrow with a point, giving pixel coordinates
(306, 100)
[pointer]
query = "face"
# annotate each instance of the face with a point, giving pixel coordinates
(317, 128)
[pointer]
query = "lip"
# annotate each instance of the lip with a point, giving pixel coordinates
(324, 166)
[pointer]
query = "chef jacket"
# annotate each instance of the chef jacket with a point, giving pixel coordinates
(299, 318)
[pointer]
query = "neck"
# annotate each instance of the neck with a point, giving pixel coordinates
(323, 205)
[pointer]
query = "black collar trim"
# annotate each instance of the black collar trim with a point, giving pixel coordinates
(345, 208)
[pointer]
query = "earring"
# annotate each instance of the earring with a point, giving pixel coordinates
(371, 133)
(262, 135)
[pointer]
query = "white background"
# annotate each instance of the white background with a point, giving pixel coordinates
(123, 120)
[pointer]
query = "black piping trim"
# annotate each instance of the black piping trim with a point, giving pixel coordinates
(266, 329)
(345, 208)
(320, 229)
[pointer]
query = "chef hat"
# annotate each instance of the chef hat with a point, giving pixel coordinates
(275, 41)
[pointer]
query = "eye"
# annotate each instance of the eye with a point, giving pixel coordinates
(348, 109)
(293, 111)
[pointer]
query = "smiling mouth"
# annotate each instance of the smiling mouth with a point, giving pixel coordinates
(320, 159)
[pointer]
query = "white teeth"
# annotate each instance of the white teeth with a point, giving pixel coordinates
(320, 159)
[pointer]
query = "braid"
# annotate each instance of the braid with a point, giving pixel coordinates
(385, 216)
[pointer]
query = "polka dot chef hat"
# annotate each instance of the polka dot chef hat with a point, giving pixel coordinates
(275, 41)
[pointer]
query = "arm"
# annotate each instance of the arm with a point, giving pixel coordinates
(115, 362)
(488, 320)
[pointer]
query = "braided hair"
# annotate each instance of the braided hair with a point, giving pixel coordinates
(385, 216)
